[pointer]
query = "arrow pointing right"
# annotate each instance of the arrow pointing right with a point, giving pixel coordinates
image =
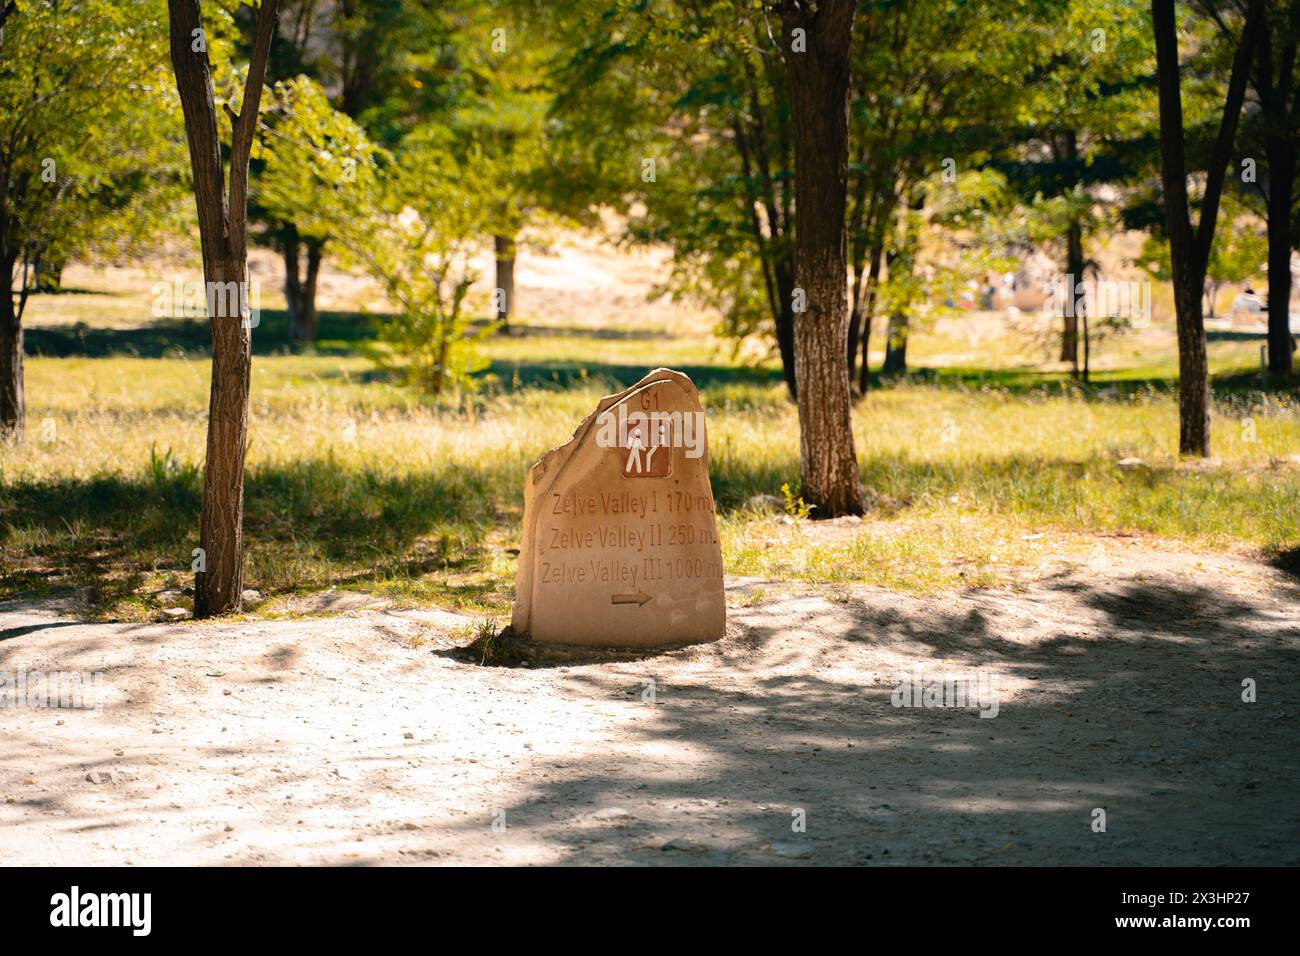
(639, 598)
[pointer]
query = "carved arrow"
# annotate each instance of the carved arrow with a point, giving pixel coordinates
(639, 598)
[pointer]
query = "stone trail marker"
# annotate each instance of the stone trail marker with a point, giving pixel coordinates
(620, 544)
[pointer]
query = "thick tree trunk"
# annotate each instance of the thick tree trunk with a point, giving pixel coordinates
(1189, 250)
(819, 86)
(218, 585)
(505, 258)
(1281, 170)
(13, 396)
(1193, 370)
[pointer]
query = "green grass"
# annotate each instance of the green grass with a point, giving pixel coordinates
(978, 469)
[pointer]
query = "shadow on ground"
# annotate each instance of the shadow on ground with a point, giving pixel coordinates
(1131, 704)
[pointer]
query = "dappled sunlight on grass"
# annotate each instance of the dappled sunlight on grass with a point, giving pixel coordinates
(356, 482)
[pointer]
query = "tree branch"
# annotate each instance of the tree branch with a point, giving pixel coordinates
(1218, 168)
(245, 124)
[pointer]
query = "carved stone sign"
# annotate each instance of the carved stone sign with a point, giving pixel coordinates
(620, 545)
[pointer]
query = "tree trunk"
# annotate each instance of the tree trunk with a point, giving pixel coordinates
(1087, 348)
(308, 322)
(13, 396)
(1193, 371)
(785, 286)
(896, 345)
(292, 249)
(219, 588)
(218, 585)
(1188, 281)
(505, 256)
(855, 327)
(873, 280)
(1068, 146)
(859, 252)
(1189, 250)
(819, 87)
(1211, 294)
(300, 289)
(1281, 170)
(1074, 274)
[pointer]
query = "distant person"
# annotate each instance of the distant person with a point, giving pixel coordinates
(1248, 302)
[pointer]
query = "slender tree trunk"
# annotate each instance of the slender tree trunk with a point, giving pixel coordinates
(308, 320)
(1281, 169)
(1087, 348)
(1193, 373)
(902, 261)
(818, 77)
(222, 216)
(896, 345)
(300, 288)
(785, 319)
(13, 396)
(873, 282)
(505, 256)
(855, 326)
(1068, 147)
(1074, 272)
(292, 251)
(858, 253)
(1189, 250)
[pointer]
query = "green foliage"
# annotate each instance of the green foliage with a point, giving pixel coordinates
(972, 226)
(92, 153)
(411, 218)
(677, 112)
(500, 122)
(793, 504)
(170, 478)
(1239, 253)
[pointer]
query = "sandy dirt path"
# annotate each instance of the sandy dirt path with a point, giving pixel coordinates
(363, 736)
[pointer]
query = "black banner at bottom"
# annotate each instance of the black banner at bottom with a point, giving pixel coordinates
(332, 905)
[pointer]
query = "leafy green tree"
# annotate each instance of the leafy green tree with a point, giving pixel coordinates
(1083, 129)
(679, 115)
(89, 148)
(1190, 245)
(221, 202)
(412, 218)
(972, 227)
(500, 127)
(816, 46)
(389, 64)
(932, 96)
